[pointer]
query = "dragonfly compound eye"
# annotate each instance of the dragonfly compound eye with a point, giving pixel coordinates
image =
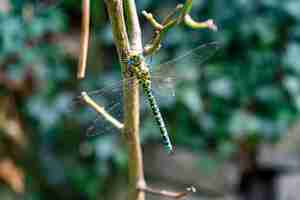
(136, 60)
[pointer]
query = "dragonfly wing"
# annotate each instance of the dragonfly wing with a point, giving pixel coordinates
(110, 99)
(188, 65)
(164, 87)
(46, 5)
(100, 125)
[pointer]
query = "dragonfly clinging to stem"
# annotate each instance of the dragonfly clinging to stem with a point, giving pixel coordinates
(140, 70)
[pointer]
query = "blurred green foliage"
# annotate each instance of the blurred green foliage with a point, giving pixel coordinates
(249, 88)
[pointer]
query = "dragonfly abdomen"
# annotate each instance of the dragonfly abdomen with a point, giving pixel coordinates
(158, 117)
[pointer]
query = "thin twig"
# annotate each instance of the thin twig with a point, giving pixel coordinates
(89, 101)
(200, 25)
(160, 30)
(170, 194)
(152, 20)
(84, 39)
(169, 22)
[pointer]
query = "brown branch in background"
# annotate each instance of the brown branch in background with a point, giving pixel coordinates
(84, 39)
(12, 175)
(100, 110)
(170, 194)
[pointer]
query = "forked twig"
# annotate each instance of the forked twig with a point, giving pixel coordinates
(89, 101)
(170, 16)
(84, 39)
(169, 22)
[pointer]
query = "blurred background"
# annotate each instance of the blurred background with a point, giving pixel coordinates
(234, 121)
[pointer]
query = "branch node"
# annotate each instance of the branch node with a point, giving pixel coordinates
(170, 16)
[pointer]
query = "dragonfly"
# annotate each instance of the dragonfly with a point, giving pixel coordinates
(151, 77)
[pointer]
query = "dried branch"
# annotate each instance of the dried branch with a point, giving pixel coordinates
(160, 30)
(170, 194)
(125, 46)
(132, 111)
(84, 40)
(169, 22)
(100, 110)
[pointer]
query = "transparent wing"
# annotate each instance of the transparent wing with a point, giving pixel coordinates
(46, 5)
(100, 125)
(110, 98)
(184, 67)
(163, 84)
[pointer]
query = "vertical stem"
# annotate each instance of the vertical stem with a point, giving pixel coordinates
(131, 92)
(133, 24)
(131, 128)
(136, 168)
(116, 15)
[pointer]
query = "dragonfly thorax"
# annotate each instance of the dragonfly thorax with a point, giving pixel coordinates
(138, 67)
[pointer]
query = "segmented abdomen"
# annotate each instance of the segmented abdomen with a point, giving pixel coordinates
(157, 115)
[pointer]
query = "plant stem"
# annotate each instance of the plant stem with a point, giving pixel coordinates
(116, 15)
(131, 95)
(131, 92)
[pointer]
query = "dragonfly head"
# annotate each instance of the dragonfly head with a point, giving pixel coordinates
(135, 59)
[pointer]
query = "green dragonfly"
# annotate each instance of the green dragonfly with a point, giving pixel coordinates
(162, 76)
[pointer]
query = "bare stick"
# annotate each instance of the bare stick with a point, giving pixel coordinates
(132, 111)
(89, 101)
(170, 194)
(131, 92)
(84, 38)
